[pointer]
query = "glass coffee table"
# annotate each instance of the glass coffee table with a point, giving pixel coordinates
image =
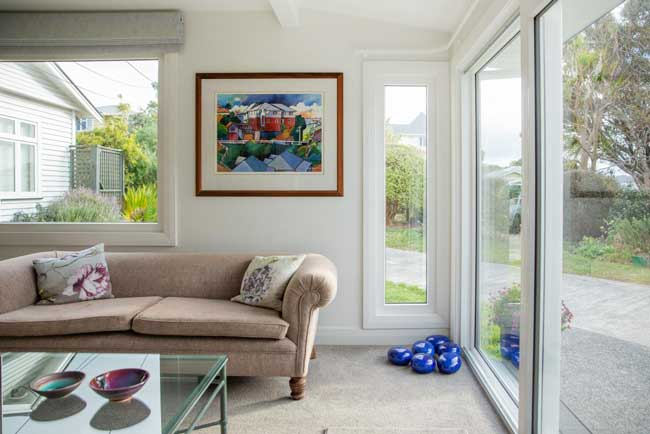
(180, 391)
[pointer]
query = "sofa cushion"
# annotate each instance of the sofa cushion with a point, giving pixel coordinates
(181, 316)
(112, 314)
(77, 276)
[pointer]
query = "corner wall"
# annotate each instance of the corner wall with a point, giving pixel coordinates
(254, 42)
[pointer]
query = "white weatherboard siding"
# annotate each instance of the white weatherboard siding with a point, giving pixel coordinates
(30, 93)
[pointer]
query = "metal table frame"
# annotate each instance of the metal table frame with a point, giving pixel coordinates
(221, 389)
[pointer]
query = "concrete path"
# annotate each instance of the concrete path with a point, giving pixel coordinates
(617, 309)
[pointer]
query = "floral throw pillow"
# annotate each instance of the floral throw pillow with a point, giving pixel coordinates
(77, 276)
(266, 279)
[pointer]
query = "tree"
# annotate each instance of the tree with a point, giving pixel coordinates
(627, 121)
(607, 93)
(405, 179)
(590, 83)
(222, 132)
(140, 168)
(298, 128)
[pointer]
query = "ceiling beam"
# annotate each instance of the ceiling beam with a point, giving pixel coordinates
(286, 11)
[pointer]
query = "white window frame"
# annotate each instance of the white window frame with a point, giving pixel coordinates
(162, 233)
(377, 74)
(504, 28)
(17, 139)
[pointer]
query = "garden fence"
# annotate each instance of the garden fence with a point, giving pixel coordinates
(99, 169)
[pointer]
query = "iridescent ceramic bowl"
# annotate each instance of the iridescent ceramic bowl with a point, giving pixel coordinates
(57, 385)
(120, 384)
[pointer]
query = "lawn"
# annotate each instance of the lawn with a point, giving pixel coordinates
(576, 264)
(403, 293)
(405, 238)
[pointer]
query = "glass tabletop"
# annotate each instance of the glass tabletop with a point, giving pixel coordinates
(174, 389)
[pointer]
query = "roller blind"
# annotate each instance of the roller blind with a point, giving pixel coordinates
(40, 30)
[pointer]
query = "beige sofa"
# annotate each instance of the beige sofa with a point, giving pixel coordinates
(173, 303)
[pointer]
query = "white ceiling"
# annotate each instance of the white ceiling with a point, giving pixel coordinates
(441, 15)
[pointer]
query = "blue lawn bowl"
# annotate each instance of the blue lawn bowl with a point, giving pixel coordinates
(449, 363)
(436, 340)
(422, 347)
(400, 356)
(448, 347)
(423, 363)
(514, 358)
(508, 344)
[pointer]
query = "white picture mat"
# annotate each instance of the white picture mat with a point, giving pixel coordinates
(210, 180)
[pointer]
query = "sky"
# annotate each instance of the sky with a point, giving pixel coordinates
(288, 99)
(404, 103)
(103, 81)
(500, 120)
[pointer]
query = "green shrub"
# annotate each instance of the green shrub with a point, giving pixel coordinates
(593, 248)
(80, 205)
(588, 197)
(632, 234)
(630, 204)
(405, 182)
(141, 204)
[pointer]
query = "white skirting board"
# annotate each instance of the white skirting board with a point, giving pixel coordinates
(332, 335)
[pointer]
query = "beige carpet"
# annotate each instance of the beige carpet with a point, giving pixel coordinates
(392, 431)
(353, 390)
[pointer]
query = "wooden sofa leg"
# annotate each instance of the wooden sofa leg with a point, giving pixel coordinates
(297, 385)
(313, 353)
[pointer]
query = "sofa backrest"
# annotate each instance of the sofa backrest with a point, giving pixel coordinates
(206, 275)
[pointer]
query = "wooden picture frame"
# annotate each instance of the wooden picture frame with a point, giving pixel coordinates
(234, 128)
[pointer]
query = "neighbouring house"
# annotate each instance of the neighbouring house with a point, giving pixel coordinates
(39, 109)
(89, 123)
(414, 133)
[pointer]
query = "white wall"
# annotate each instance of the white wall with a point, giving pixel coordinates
(254, 42)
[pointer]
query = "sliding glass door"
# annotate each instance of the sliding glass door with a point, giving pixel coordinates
(498, 156)
(593, 278)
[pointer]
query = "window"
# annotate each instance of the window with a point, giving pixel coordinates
(403, 126)
(594, 211)
(489, 234)
(405, 188)
(111, 180)
(104, 173)
(88, 153)
(499, 177)
(18, 150)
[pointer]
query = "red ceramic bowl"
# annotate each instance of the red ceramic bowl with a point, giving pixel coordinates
(57, 385)
(120, 384)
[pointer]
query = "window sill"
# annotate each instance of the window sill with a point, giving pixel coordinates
(82, 234)
(21, 196)
(500, 398)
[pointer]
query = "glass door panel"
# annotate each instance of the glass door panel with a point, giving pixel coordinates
(499, 176)
(594, 71)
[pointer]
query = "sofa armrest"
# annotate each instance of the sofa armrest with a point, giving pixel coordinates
(312, 286)
(18, 281)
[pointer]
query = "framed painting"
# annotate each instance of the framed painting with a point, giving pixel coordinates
(269, 134)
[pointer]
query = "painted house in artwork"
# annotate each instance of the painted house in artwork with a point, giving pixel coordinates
(267, 120)
(39, 108)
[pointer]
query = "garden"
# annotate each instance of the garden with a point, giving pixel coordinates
(135, 135)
